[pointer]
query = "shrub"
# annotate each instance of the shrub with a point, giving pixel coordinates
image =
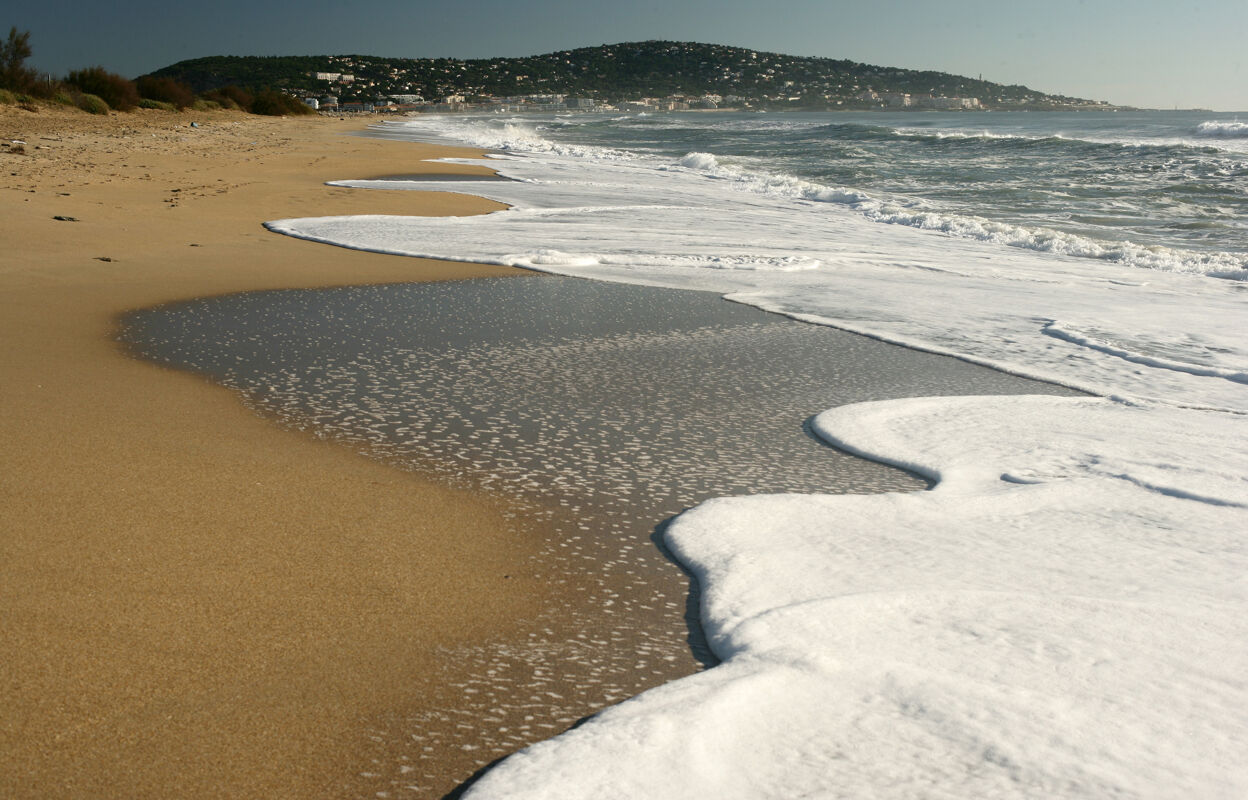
(156, 104)
(90, 103)
(165, 90)
(223, 102)
(113, 89)
(230, 97)
(266, 101)
(7, 98)
(63, 98)
(273, 103)
(206, 105)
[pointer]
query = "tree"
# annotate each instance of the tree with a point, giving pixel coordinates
(14, 74)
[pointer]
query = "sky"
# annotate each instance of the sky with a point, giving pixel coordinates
(1149, 53)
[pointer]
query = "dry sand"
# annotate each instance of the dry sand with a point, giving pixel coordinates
(194, 602)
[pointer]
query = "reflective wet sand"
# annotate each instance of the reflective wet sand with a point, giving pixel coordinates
(605, 409)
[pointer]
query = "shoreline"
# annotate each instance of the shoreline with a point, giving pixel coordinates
(237, 602)
(256, 511)
(198, 603)
(1057, 567)
(462, 410)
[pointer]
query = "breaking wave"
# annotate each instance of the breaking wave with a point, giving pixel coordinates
(1223, 130)
(912, 214)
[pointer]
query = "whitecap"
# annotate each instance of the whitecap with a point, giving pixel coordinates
(1221, 129)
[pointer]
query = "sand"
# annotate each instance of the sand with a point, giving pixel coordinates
(196, 603)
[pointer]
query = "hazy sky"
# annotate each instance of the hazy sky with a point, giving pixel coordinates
(1154, 53)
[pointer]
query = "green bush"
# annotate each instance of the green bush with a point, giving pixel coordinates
(113, 89)
(201, 104)
(7, 98)
(90, 103)
(156, 104)
(63, 98)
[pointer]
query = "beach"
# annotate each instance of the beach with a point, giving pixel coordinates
(201, 603)
(211, 592)
(197, 603)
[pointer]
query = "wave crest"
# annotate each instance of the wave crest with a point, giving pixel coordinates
(1229, 266)
(704, 162)
(1223, 130)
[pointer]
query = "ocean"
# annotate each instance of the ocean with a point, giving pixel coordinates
(1063, 613)
(1156, 189)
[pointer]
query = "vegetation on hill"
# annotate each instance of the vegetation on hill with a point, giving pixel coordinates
(98, 91)
(608, 73)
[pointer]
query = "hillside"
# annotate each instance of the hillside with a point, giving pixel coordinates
(607, 73)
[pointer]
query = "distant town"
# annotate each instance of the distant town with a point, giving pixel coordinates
(412, 103)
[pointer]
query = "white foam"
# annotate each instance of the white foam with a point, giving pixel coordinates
(513, 137)
(1233, 130)
(827, 263)
(700, 161)
(1062, 616)
(1036, 626)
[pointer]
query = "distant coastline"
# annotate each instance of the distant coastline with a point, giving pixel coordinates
(663, 75)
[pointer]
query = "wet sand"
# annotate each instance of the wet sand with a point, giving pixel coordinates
(196, 603)
(607, 408)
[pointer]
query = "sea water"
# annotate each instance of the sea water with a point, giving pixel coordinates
(1161, 189)
(1063, 614)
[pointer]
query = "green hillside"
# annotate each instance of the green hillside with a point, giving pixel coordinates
(608, 73)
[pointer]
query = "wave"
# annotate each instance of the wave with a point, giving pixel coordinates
(556, 259)
(1065, 146)
(1223, 130)
(515, 136)
(510, 135)
(1133, 352)
(1222, 265)
(986, 136)
(1175, 144)
(1167, 259)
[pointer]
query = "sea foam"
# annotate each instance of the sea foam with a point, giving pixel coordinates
(1036, 626)
(889, 210)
